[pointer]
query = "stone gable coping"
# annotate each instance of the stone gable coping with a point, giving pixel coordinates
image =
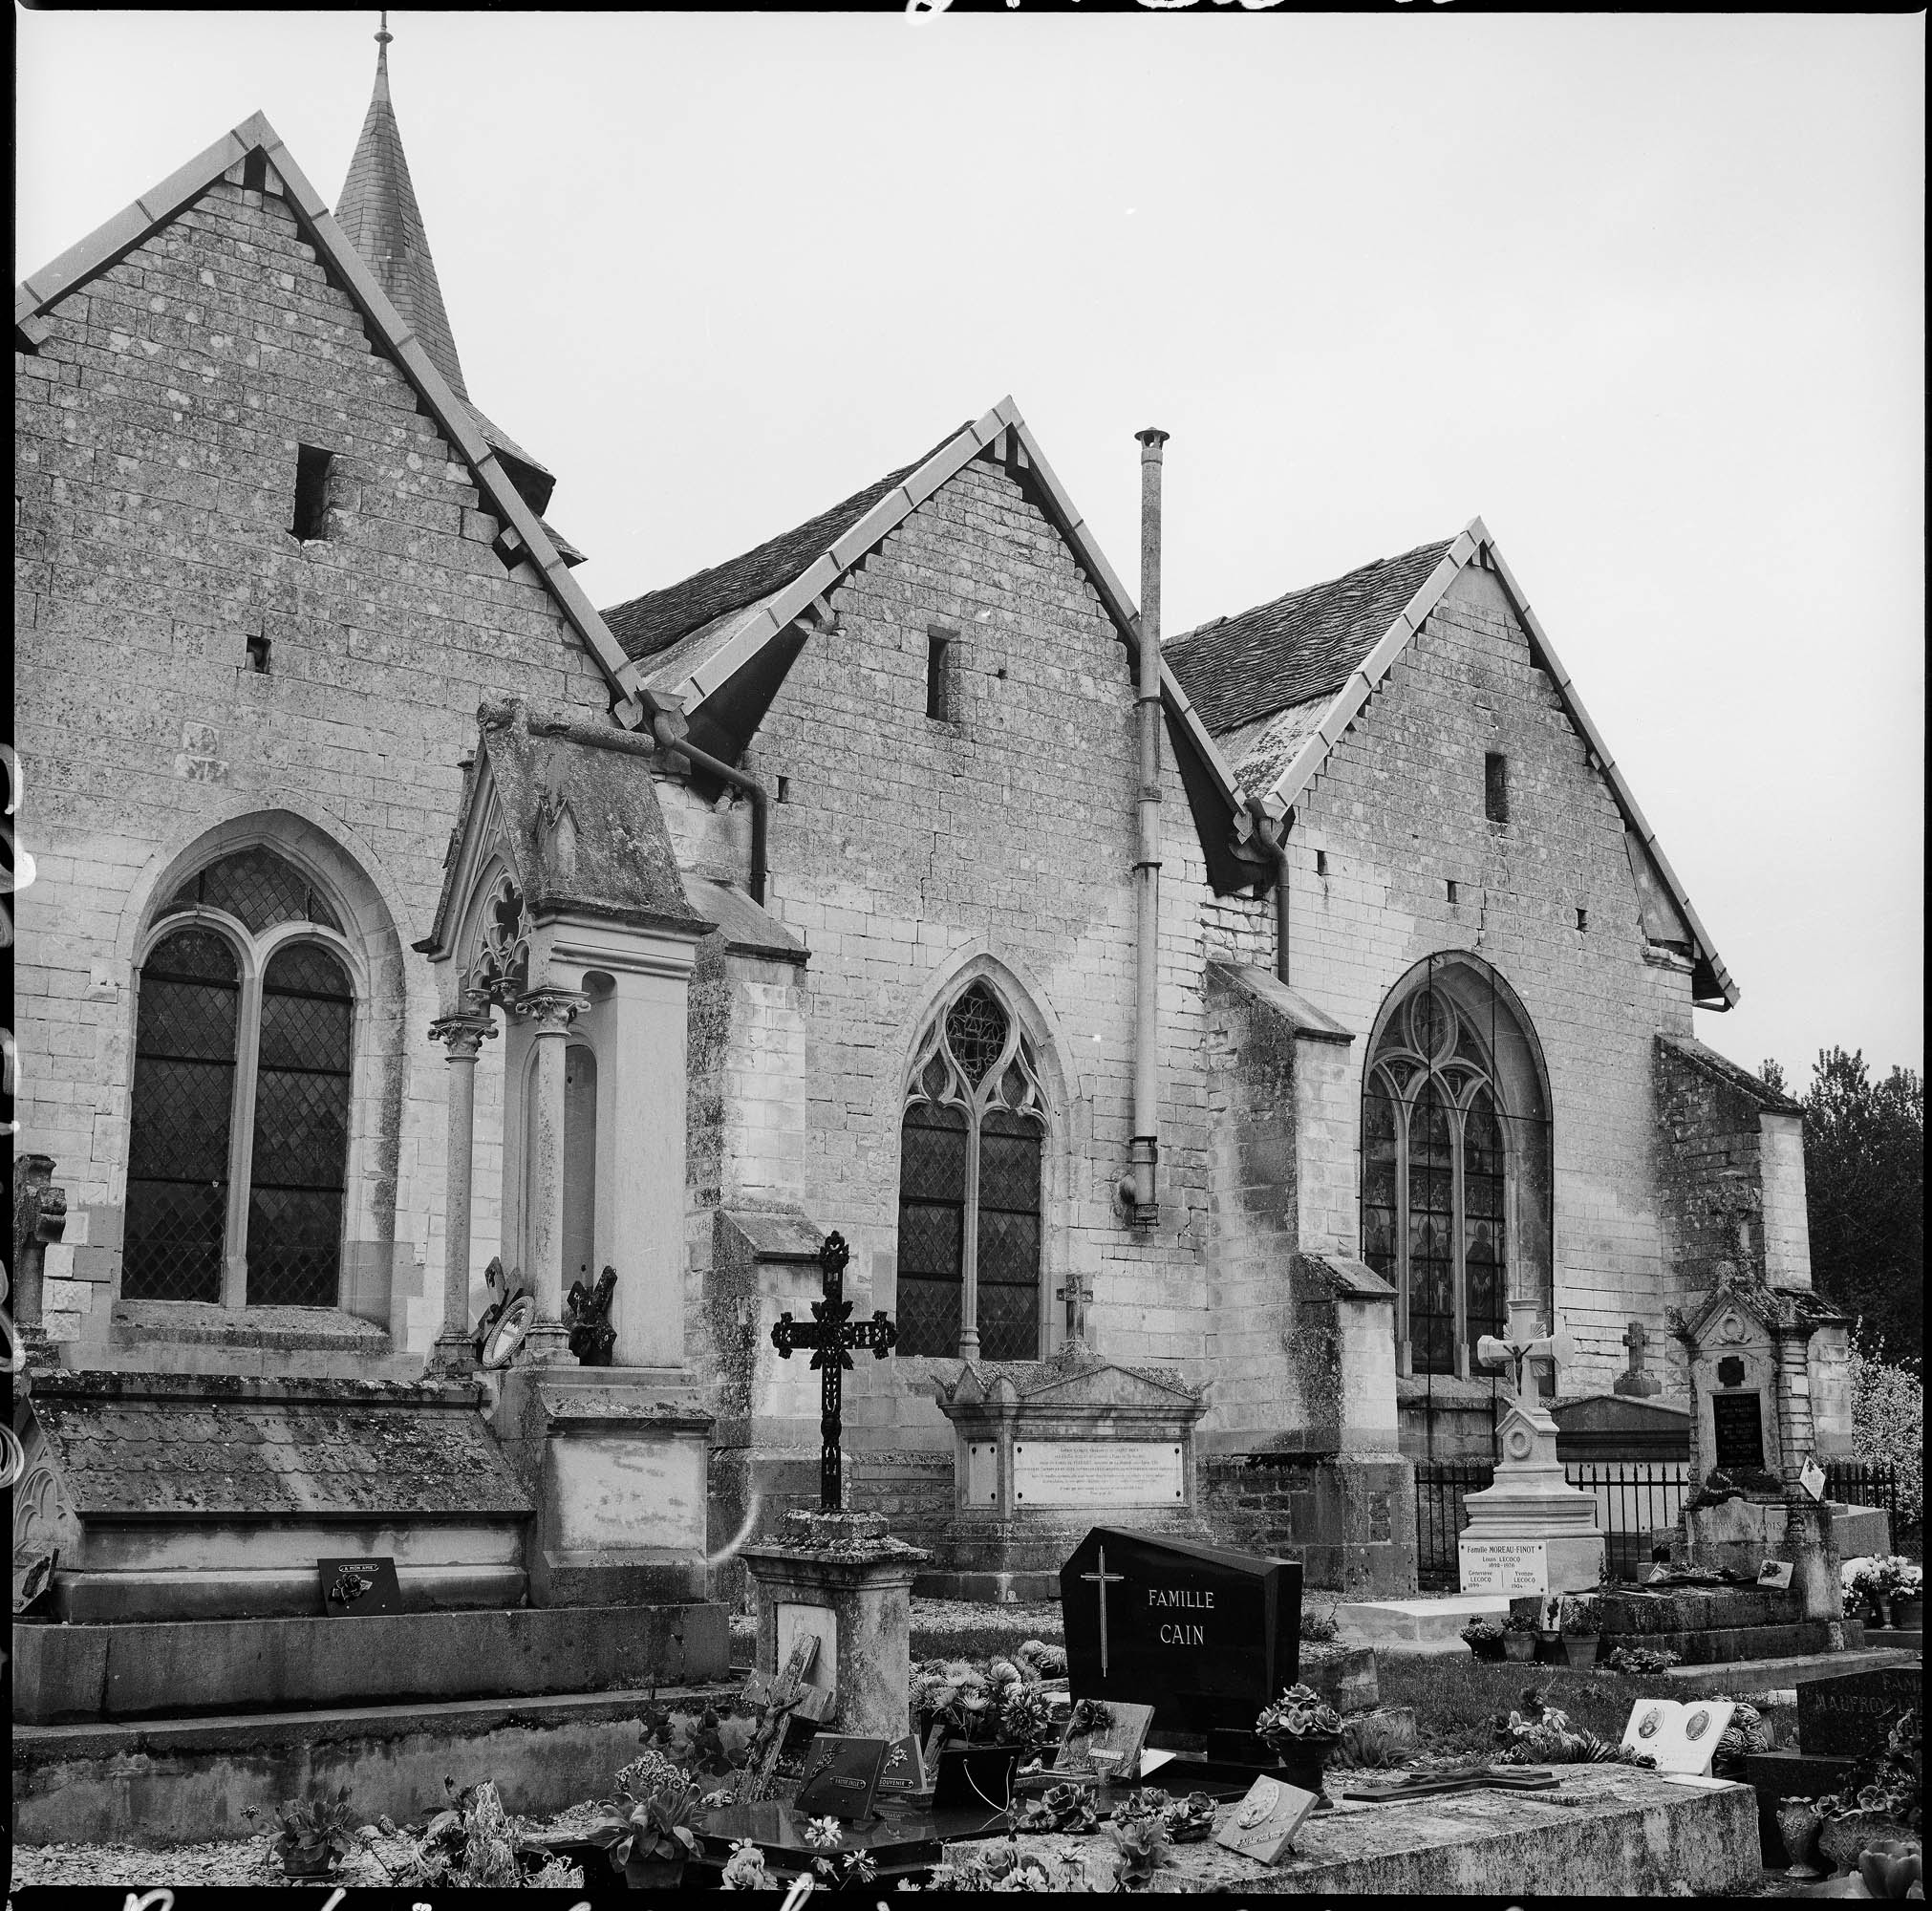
(778, 612)
(1474, 543)
(108, 243)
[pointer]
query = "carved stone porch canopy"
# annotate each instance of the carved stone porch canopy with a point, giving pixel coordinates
(562, 905)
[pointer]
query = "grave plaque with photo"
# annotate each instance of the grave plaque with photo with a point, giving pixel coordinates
(1207, 1638)
(1737, 1420)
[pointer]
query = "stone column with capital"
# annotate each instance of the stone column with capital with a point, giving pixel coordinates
(549, 1012)
(39, 1217)
(463, 1035)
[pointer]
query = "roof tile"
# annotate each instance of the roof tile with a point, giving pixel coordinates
(1300, 647)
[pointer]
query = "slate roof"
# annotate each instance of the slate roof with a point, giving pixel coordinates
(141, 1457)
(654, 622)
(1300, 647)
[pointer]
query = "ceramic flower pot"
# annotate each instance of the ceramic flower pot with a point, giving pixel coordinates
(1302, 1760)
(1882, 1605)
(1520, 1646)
(654, 1874)
(1908, 1613)
(1798, 1826)
(1842, 1839)
(1580, 1650)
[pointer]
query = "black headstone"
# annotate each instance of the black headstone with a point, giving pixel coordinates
(1206, 1638)
(1738, 1421)
(1848, 1717)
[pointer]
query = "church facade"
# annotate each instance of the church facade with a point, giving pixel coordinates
(838, 930)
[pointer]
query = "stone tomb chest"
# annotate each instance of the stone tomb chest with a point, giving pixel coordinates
(1207, 1638)
(1040, 1447)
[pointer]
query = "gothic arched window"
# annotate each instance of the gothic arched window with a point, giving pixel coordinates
(1455, 1163)
(969, 1187)
(239, 1132)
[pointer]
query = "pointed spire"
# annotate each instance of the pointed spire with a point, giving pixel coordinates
(377, 210)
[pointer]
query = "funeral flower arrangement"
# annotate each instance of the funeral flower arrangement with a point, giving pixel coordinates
(1006, 1700)
(1484, 1637)
(1540, 1734)
(1300, 1716)
(1638, 1661)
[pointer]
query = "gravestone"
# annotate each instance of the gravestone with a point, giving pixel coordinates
(1737, 1425)
(1205, 1636)
(1849, 1717)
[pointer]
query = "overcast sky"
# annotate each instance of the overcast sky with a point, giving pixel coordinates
(1646, 291)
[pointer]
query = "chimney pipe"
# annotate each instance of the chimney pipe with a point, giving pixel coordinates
(1138, 1189)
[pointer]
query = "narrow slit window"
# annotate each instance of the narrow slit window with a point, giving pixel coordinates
(311, 493)
(784, 790)
(1454, 889)
(1496, 787)
(939, 699)
(1322, 862)
(1583, 918)
(258, 655)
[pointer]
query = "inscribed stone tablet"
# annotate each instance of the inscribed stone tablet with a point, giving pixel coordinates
(821, 1623)
(1737, 1419)
(1849, 1716)
(359, 1587)
(1096, 1472)
(1511, 1566)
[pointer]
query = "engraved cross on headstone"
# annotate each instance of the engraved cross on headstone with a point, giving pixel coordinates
(832, 1338)
(1103, 1579)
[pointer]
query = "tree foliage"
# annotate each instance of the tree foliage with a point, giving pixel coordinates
(1865, 1190)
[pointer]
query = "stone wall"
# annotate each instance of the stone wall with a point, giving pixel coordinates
(1395, 815)
(156, 468)
(911, 848)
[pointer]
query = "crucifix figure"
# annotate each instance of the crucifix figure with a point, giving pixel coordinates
(1523, 1346)
(1103, 1579)
(832, 1338)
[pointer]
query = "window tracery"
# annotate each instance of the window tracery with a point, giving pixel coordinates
(972, 1140)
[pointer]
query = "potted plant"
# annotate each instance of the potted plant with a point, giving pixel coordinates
(314, 1835)
(1484, 1637)
(648, 1835)
(1908, 1603)
(1519, 1636)
(1301, 1729)
(1579, 1634)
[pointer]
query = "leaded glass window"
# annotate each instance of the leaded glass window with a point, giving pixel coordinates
(971, 1146)
(183, 1107)
(1455, 1162)
(240, 1109)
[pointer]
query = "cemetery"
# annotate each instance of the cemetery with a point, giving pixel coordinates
(1186, 1720)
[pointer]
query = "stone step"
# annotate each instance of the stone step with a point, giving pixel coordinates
(192, 1779)
(1727, 1645)
(130, 1671)
(1416, 1626)
(1699, 1609)
(1768, 1675)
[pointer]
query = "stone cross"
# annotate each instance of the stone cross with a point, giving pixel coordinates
(1635, 1380)
(1101, 1580)
(1077, 1293)
(1519, 1350)
(831, 1338)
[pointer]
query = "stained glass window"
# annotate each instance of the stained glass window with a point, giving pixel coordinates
(1447, 1160)
(183, 1105)
(970, 1186)
(301, 1129)
(259, 888)
(213, 1035)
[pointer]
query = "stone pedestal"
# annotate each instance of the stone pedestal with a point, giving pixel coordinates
(614, 1460)
(841, 1578)
(1530, 1500)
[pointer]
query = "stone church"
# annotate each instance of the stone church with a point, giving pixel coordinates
(398, 910)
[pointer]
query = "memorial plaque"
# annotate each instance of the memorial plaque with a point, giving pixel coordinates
(1262, 1825)
(1108, 1748)
(1737, 1419)
(1812, 1479)
(1516, 1567)
(1207, 1638)
(841, 1774)
(357, 1588)
(1096, 1472)
(1849, 1716)
(1776, 1574)
(904, 1772)
(1680, 1737)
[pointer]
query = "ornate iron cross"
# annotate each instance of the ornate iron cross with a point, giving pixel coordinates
(832, 1338)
